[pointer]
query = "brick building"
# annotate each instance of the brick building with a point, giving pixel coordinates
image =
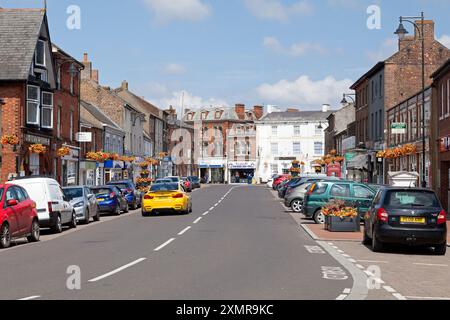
(27, 85)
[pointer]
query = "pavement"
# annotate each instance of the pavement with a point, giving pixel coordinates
(405, 273)
(236, 245)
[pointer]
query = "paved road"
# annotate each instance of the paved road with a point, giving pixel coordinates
(243, 247)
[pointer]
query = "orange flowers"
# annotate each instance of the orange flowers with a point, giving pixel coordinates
(37, 148)
(10, 139)
(339, 209)
(143, 180)
(98, 156)
(62, 152)
(398, 152)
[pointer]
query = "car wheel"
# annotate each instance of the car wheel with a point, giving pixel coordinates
(35, 234)
(88, 217)
(57, 228)
(5, 236)
(127, 208)
(297, 206)
(190, 208)
(97, 216)
(366, 240)
(118, 211)
(73, 223)
(377, 246)
(319, 217)
(145, 214)
(440, 250)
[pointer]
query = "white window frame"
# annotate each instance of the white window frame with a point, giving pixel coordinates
(448, 99)
(43, 73)
(58, 122)
(442, 103)
(37, 102)
(35, 55)
(47, 107)
(272, 145)
(299, 148)
(274, 130)
(299, 132)
(315, 149)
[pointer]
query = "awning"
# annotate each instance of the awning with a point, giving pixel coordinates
(359, 162)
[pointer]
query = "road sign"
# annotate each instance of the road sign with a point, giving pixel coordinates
(398, 128)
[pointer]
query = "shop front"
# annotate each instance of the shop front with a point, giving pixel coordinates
(88, 173)
(69, 167)
(444, 160)
(213, 171)
(114, 170)
(241, 172)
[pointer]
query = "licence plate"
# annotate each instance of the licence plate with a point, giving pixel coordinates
(413, 220)
(100, 200)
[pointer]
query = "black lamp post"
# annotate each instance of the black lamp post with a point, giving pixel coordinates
(402, 32)
(344, 101)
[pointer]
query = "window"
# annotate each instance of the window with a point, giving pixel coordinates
(274, 130)
(274, 148)
(58, 78)
(297, 131)
(362, 192)
(71, 84)
(41, 75)
(296, 148)
(39, 57)
(47, 110)
(33, 94)
(447, 113)
(319, 130)
(58, 122)
(318, 148)
(71, 126)
(340, 190)
(34, 164)
(442, 102)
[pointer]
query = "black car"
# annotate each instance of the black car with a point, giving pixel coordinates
(132, 195)
(409, 216)
(195, 182)
(284, 186)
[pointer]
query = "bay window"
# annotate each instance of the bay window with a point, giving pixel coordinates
(33, 94)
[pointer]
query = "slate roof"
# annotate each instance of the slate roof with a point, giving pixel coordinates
(139, 103)
(297, 116)
(19, 31)
(96, 117)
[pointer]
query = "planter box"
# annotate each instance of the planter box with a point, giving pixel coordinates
(336, 224)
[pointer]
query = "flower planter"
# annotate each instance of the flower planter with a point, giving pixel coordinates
(336, 224)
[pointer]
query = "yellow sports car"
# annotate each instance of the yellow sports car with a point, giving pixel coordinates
(166, 197)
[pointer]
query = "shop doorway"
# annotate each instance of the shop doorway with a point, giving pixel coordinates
(242, 176)
(217, 176)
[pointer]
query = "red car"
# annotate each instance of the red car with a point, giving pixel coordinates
(18, 216)
(279, 179)
(187, 184)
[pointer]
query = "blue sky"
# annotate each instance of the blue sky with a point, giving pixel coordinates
(291, 53)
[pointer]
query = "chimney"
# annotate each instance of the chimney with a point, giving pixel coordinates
(428, 29)
(95, 75)
(325, 108)
(258, 111)
(125, 85)
(85, 57)
(86, 73)
(292, 110)
(240, 110)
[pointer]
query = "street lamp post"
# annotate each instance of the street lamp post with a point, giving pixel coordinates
(344, 101)
(402, 32)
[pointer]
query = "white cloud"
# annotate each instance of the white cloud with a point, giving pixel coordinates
(305, 92)
(387, 49)
(276, 10)
(175, 10)
(174, 69)
(445, 40)
(296, 49)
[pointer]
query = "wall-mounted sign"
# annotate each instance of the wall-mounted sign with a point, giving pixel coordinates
(242, 165)
(37, 139)
(398, 128)
(84, 136)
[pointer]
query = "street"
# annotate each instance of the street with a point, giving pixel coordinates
(244, 248)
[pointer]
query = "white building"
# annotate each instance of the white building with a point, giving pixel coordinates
(283, 137)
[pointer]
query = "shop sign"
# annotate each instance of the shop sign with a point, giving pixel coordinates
(110, 164)
(84, 136)
(37, 140)
(349, 143)
(398, 128)
(444, 145)
(349, 156)
(242, 165)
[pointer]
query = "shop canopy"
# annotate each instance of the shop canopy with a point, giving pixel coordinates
(359, 162)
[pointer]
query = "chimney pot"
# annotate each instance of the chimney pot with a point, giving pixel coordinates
(85, 59)
(124, 85)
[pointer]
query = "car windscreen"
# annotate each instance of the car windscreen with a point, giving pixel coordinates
(101, 191)
(73, 193)
(174, 179)
(164, 187)
(411, 198)
(194, 179)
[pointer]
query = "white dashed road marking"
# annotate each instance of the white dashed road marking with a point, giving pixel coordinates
(118, 270)
(165, 244)
(30, 298)
(198, 220)
(184, 231)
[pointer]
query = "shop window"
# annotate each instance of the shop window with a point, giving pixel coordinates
(34, 164)
(274, 168)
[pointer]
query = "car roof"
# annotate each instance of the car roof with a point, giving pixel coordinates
(120, 181)
(104, 187)
(391, 188)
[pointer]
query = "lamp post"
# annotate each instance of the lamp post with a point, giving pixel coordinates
(402, 32)
(344, 101)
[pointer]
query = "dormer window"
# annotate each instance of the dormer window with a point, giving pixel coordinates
(39, 56)
(204, 115)
(218, 114)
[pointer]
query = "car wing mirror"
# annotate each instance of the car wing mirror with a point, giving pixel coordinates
(12, 203)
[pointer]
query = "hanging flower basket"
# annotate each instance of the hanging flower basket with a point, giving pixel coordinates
(141, 181)
(97, 156)
(62, 152)
(114, 157)
(12, 140)
(144, 164)
(129, 159)
(37, 148)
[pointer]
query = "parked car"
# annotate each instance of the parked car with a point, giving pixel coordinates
(53, 208)
(279, 179)
(84, 202)
(187, 184)
(295, 182)
(282, 188)
(130, 192)
(269, 183)
(18, 216)
(409, 216)
(110, 199)
(166, 197)
(195, 182)
(163, 181)
(320, 193)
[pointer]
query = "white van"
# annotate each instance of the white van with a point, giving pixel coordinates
(53, 209)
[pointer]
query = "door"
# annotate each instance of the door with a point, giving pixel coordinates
(24, 210)
(12, 213)
(61, 204)
(363, 198)
(341, 191)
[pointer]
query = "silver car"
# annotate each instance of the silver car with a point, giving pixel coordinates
(84, 203)
(294, 197)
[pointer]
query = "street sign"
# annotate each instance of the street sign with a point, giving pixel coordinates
(349, 156)
(398, 128)
(84, 136)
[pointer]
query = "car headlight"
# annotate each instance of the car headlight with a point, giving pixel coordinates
(78, 205)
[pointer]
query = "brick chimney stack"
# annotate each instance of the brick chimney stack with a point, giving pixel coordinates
(258, 111)
(125, 85)
(88, 72)
(240, 110)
